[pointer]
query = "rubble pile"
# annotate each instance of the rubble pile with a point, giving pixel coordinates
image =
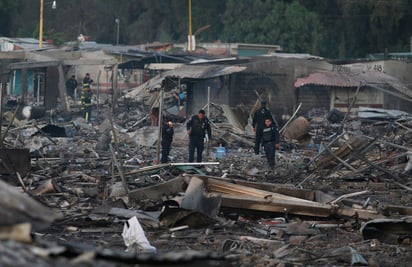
(340, 198)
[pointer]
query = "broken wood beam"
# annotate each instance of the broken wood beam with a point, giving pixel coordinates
(164, 165)
(388, 172)
(397, 146)
(357, 141)
(285, 189)
(120, 169)
(238, 196)
(388, 209)
(276, 205)
(339, 199)
(217, 186)
(339, 159)
(362, 152)
(290, 119)
(321, 151)
(377, 163)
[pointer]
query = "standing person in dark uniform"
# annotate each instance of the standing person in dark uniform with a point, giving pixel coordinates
(167, 138)
(71, 86)
(198, 128)
(270, 140)
(258, 123)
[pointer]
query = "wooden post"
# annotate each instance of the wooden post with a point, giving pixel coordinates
(115, 92)
(62, 90)
(159, 124)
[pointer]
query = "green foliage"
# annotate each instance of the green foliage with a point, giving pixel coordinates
(328, 28)
(8, 8)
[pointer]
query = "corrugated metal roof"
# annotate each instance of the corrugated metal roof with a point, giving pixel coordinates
(203, 71)
(28, 44)
(188, 72)
(292, 55)
(340, 79)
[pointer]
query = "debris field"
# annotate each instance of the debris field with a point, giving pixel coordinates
(93, 194)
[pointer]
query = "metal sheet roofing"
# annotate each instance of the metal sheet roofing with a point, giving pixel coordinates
(340, 79)
(188, 72)
(203, 71)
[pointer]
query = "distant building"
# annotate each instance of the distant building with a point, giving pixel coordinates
(26, 44)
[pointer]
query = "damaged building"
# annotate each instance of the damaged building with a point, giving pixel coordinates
(94, 194)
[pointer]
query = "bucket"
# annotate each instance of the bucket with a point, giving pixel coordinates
(220, 152)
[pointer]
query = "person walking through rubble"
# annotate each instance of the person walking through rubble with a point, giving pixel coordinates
(167, 138)
(270, 140)
(86, 101)
(198, 128)
(258, 123)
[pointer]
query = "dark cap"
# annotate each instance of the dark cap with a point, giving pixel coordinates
(263, 101)
(202, 112)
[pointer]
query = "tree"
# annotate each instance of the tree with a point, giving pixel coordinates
(8, 9)
(332, 28)
(290, 25)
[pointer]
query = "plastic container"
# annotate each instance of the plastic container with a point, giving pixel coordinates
(221, 152)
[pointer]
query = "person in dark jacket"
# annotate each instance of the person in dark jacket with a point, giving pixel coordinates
(258, 123)
(86, 102)
(198, 128)
(71, 86)
(87, 80)
(167, 138)
(270, 140)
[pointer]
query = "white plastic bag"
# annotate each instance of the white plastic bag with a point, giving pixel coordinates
(134, 237)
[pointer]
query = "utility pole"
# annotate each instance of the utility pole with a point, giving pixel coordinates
(190, 38)
(54, 5)
(41, 24)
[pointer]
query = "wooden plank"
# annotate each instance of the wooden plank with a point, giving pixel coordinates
(358, 142)
(285, 189)
(218, 186)
(394, 209)
(276, 205)
(294, 207)
(360, 213)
